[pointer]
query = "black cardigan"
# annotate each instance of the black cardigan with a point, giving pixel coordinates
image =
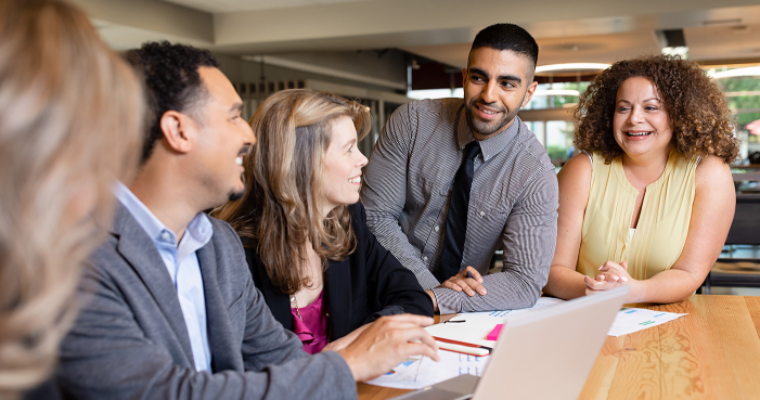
(368, 284)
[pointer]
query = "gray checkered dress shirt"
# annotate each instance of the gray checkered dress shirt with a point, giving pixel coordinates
(513, 203)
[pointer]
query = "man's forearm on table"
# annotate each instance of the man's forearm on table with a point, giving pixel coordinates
(505, 291)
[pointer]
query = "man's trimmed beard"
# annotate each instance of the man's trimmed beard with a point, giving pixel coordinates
(486, 129)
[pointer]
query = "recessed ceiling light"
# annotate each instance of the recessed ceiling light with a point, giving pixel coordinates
(682, 51)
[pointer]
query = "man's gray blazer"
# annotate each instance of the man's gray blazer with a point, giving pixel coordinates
(130, 340)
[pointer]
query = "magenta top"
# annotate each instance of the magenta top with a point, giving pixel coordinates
(313, 329)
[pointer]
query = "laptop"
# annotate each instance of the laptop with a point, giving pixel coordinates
(544, 354)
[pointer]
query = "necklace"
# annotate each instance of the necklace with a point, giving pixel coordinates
(294, 304)
(293, 301)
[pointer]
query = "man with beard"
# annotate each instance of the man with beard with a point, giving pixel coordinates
(451, 181)
(169, 309)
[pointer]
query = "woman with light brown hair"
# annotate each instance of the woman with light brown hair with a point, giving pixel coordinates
(322, 272)
(649, 200)
(70, 116)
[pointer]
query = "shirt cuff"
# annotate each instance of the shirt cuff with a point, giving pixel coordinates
(449, 301)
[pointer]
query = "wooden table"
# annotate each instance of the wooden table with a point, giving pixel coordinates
(712, 353)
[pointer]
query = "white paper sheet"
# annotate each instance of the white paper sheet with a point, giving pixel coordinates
(630, 320)
(477, 325)
(419, 372)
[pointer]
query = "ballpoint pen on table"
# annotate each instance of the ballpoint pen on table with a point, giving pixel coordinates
(462, 347)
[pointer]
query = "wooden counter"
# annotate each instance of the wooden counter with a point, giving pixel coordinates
(712, 353)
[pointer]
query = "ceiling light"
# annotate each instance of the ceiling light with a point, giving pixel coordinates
(682, 51)
(671, 38)
(556, 92)
(572, 67)
(673, 42)
(733, 73)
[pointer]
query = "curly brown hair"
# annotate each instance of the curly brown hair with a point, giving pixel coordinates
(699, 116)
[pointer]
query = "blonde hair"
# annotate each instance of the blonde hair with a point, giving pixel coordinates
(283, 173)
(70, 123)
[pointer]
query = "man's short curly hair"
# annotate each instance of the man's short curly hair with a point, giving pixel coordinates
(699, 116)
(170, 75)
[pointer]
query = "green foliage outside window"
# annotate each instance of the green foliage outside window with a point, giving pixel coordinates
(739, 103)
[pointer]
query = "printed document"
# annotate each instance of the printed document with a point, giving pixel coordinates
(419, 372)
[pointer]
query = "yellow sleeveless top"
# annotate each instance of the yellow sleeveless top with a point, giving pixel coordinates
(663, 223)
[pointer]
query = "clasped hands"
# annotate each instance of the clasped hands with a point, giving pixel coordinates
(611, 275)
(468, 280)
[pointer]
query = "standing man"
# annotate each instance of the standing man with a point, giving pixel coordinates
(169, 310)
(451, 181)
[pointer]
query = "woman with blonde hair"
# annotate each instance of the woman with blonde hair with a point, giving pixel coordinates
(650, 199)
(70, 115)
(322, 272)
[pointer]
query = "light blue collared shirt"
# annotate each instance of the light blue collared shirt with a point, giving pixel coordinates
(182, 263)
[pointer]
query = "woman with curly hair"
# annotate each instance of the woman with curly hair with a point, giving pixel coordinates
(650, 199)
(322, 272)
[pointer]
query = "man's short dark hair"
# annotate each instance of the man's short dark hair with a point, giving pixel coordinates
(170, 75)
(507, 37)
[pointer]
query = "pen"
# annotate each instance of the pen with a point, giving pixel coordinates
(475, 351)
(457, 342)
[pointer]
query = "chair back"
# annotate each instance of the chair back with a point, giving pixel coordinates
(746, 226)
(754, 158)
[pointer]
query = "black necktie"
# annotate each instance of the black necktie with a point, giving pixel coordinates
(456, 221)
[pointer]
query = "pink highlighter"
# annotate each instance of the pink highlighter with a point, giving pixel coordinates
(494, 334)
